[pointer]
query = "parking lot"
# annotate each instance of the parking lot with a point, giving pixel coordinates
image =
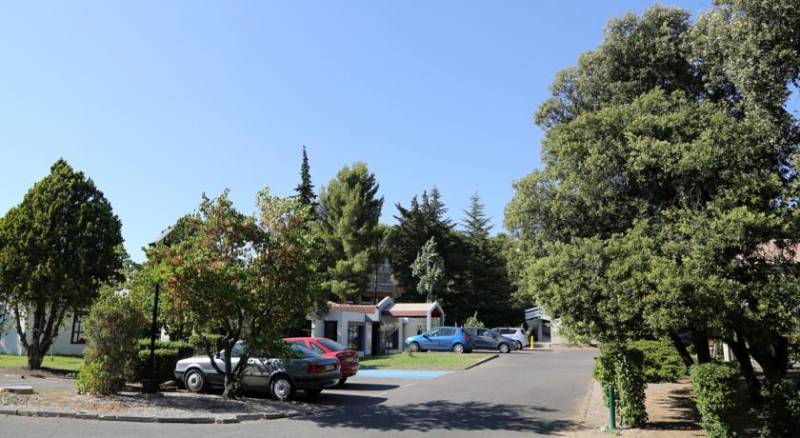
(525, 393)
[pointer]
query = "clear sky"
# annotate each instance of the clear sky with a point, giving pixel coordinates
(159, 102)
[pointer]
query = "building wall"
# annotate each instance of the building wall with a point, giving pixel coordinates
(10, 342)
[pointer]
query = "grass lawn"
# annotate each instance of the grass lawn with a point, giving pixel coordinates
(424, 361)
(69, 363)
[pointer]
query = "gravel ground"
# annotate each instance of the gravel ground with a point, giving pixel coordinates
(170, 404)
(670, 408)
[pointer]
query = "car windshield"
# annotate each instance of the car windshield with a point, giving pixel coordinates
(331, 345)
(301, 349)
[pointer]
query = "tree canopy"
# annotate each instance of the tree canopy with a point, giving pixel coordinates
(56, 248)
(350, 211)
(668, 175)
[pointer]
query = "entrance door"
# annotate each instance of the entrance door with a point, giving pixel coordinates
(376, 338)
(331, 327)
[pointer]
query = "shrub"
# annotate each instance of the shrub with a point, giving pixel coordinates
(781, 409)
(111, 330)
(473, 321)
(621, 368)
(714, 387)
(168, 353)
(661, 362)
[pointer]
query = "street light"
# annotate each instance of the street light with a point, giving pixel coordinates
(150, 386)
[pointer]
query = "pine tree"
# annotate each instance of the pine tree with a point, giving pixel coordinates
(476, 224)
(349, 225)
(305, 190)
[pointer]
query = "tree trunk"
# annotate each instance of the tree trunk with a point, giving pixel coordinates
(682, 351)
(742, 354)
(700, 342)
(35, 357)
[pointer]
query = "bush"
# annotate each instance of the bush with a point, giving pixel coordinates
(715, 387)
(621, 368)
(168, 353)
(781, 409)
(111, 330)
(661, 362)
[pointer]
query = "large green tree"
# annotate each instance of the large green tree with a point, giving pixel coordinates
(236, 278)
(425, 218)
(56, 248)
(350, 210)
(665, 182)
(487, 281)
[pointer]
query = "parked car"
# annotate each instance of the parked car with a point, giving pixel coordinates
(517, 335)
(485, 339)
(307, 371)
(442, 339)
(348, 359)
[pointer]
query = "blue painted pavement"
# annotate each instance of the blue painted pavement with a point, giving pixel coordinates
(401, 374)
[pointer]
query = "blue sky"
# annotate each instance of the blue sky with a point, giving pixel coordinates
(159, 102)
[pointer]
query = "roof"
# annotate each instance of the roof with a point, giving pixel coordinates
(774, 251)
(411, 310)
(354, 308)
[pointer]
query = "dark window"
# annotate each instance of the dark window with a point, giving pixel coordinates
(77, 328)
(331, 329)
(393, 340)
(355, 336)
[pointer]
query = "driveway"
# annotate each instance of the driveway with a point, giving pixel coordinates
(539, 393)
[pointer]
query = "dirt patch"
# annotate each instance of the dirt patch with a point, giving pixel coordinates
(43, 373)
(169, 404)
(670, 408)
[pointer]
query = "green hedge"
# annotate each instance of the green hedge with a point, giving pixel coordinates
(715, 388)
(622, 368)
(781, 409)
(662, 363)
(168, 353)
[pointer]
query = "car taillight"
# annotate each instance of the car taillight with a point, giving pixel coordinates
(466, 337)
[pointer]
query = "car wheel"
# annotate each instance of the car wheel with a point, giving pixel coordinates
(504, 348)
(517, 345)
(195, 381)
(458, 348)
(313, 393)
(342, 381)
(281, 388)
(414, 347)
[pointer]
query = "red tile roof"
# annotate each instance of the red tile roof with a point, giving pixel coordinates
(355, 308)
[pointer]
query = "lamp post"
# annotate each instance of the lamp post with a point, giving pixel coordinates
(150, 385)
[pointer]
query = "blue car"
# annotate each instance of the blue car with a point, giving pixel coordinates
(442, 339)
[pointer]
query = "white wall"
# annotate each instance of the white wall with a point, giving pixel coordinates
(62, 344)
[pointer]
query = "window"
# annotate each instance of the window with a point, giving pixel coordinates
(355, 336)
(77, 328)
(393, 340)
(315, 348)
(447, 331)
(331, 345)
(331, 327)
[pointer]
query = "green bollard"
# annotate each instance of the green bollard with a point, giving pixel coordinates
(612, 410)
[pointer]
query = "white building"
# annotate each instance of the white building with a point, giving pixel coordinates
(542, 326)
(379, 328)
(69, 341)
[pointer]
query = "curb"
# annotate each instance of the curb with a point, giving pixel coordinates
(236, 418)
(483, 361)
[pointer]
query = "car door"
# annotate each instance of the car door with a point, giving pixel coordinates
(429, 340)
(494, 339)
(445, 337)
(484, 340)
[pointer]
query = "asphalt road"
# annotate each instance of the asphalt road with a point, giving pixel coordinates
(520, 394)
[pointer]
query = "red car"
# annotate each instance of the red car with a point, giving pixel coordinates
(328, 348)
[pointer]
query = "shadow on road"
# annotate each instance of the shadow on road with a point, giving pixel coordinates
(444, 415)
(367, 387)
